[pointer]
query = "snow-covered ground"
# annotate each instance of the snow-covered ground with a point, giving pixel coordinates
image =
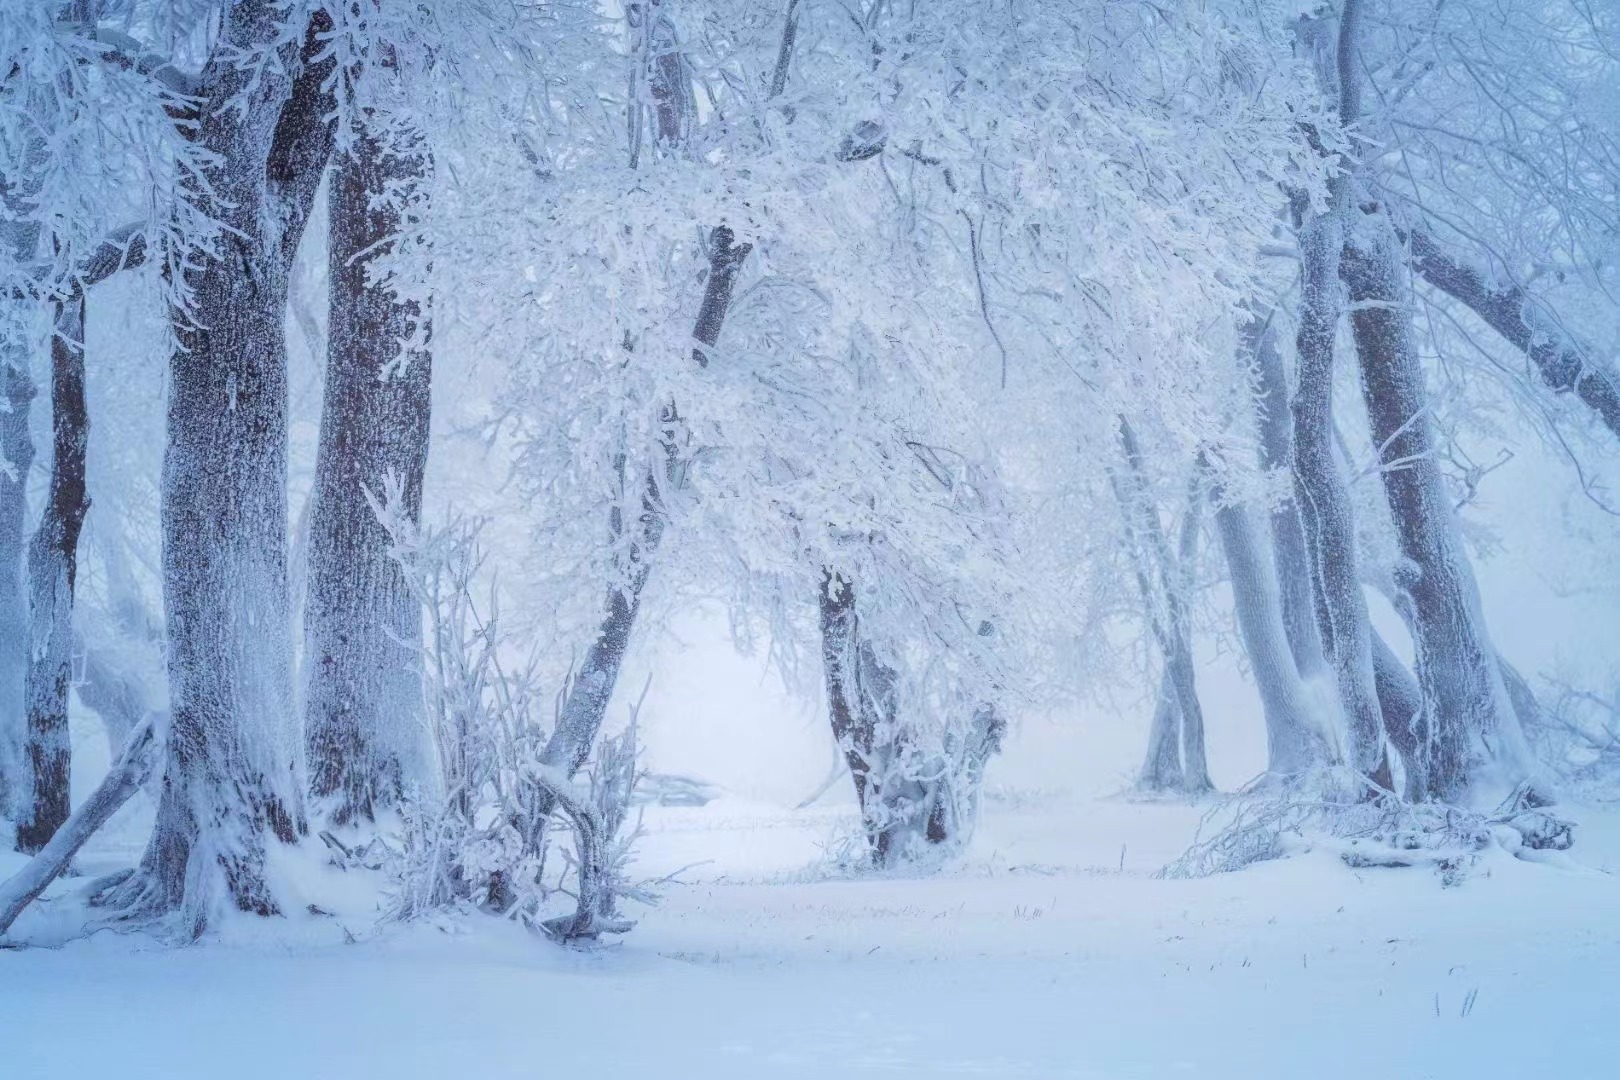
(1051, 952)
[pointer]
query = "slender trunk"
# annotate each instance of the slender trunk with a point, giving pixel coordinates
(1295, 741)
(1324, 504)
(232, 760)
(1470, 721)
(52, 567)
(16, 459)
(20, 234)
(1289, 549)
(1400, 699)
(1163, 581)
(585, 705)
(1161, 768)
(363, 628)
(116, 695)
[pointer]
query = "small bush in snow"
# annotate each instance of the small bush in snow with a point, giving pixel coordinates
(481, 841)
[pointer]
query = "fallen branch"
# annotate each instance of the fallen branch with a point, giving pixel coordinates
(124, 779)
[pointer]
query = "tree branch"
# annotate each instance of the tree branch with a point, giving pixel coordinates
(125, 53)
(1563, 364)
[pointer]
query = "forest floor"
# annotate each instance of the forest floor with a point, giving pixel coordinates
(1050, 951)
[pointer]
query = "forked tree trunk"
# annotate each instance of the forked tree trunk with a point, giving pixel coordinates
(1324, 504)
(52, 567)
(363, 627)
(1161, 768)
(1470, 725)
(908, 802)
(231, 768)
(1163, 580)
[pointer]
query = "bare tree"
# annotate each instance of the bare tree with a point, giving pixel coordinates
(1468, 720)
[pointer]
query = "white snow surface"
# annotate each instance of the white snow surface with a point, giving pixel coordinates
(1050, 951)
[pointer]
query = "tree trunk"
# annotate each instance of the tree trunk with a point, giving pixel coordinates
(231, 763)
(16, 459)
(902, 814)
(1289, 549)
(52, 567)
(1163, 581)
(363, 628)
(1161, 769)
(1324, 504)
(1400, 700)
(1295, 741)
(1470, 722)
(587, 700)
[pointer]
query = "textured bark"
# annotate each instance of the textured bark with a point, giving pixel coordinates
(52, 568)
(363, 627)
(848, 709)
(1163, 580)
(19, 239)
(1564, 366)
(128, 773)
(908, 803)
(1324, 504)
(16, 459)
(1161, 768)
(1469, 721)
(1400, 700)
(230, 769)
(1289, 549)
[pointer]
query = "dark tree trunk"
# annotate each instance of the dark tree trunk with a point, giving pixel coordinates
(1470, 722)
(130, 768)
(1324, 504)
(1289, 549)
(17, 455)
(900, 812)
(231, 763)
(668, 76)
(52, 567)
(363, 627)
